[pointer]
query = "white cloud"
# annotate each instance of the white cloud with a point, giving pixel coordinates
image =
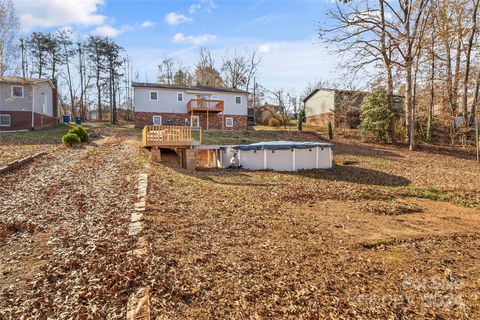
(206, 5)
(195, 40)
(53, 13)
(147, 24)
(268, 18)
(109, 31)
(288, 65)
(174, 18)
(265, 48)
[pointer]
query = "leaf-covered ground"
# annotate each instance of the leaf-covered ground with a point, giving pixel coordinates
(353, 242)
(14, 146)
(385, 234)
(63, 232)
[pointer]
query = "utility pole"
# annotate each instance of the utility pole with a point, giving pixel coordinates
(254, 101)
(22, 47)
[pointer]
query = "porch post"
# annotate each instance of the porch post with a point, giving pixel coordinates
(207, 119)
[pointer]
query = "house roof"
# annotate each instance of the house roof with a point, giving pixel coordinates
(334, 90)
(192, 88)
(339, 91)
(24, 81)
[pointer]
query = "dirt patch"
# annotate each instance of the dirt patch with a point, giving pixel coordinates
(358, 226)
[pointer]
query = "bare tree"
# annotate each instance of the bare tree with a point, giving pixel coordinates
(166, 71)
(205, 72)
(281, 107)
(65, 44)
(468, 53)
(9, 29)
(96, 47)
(239, 70)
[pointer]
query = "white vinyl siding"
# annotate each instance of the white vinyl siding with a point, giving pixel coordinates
(167, 101)
(153, 95)
(321, 102)
(229, 122)
(157, 120)
(17, 92)
(44, 104)
(5, 120)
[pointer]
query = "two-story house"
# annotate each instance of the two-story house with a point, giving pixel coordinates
(27, 103)
(196, 106)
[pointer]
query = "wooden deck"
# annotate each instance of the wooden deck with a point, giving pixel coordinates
(199, 105)
(171, 136)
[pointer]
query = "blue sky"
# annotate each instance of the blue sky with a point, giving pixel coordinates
(284, 32)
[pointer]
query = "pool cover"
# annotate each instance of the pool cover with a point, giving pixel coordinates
(282, 145)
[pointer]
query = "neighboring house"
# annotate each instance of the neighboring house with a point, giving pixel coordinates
(27, 103)
(340, 107)
(205, 107)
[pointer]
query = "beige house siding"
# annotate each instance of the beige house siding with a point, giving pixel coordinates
(321, 102)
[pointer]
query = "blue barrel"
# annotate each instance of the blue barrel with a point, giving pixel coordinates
(78, 120)
(66, 119)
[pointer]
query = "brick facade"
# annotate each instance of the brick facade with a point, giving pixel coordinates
(321, 119)
(178, 119)
(22, 120)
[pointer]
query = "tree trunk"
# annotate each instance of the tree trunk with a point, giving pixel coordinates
(432, 96)
(467, 66)
(474, 107)
(99, 96)
(2, 67)
(410, 107)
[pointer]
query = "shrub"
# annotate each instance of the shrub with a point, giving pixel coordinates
(329, 131)
(70, 139)
(300, 119)
(273, 122)
(80, 132)
(377, 115)
(352, 119)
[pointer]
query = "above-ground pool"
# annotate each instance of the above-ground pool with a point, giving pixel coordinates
(279, 155)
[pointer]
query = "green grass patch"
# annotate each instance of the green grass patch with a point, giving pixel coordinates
(40, 136)
(217, 137)
(426, 193)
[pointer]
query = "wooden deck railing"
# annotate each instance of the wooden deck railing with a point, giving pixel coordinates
(170, 136)
(205, 105)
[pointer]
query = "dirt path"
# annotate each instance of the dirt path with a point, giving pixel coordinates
(64, 243)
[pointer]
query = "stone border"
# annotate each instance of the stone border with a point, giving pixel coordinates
(138, 306)
(17, 163)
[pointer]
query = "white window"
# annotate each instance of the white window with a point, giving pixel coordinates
(153, 95)
(238, 100)
(179, 96)
(214, 97)
(228, 122)
(17, 92)
(5, 120)
(157, 120)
